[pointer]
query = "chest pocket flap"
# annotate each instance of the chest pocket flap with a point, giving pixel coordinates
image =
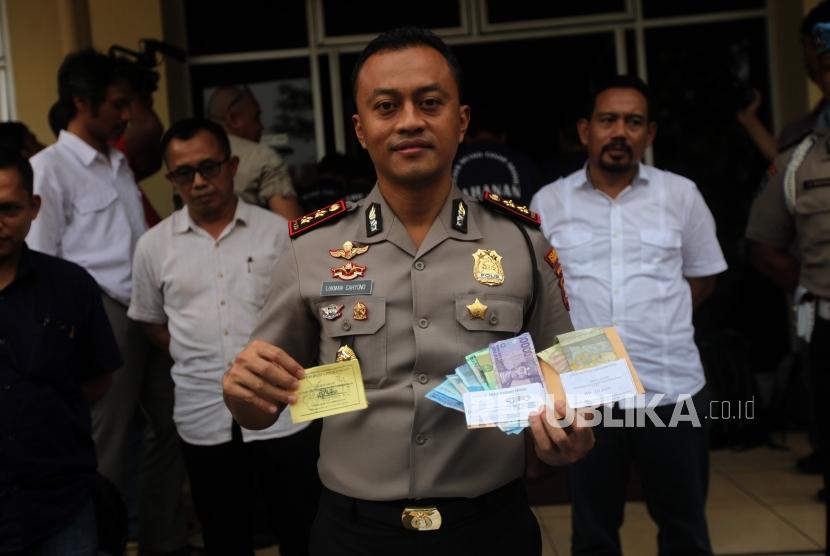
(503, 313)
(86, 202)
(813, 201)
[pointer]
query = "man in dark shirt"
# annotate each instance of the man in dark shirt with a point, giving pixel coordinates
(485, 162)
(57, 351)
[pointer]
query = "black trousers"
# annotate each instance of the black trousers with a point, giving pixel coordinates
(673, 467)
(496, 523)
(819, 352)
(224, 490)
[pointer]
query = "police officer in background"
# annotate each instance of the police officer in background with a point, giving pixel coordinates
(408, 247)
(794, 207)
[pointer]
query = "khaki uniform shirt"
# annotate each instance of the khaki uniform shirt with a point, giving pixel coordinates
(261, 174)
(770, 221)
(417, 331)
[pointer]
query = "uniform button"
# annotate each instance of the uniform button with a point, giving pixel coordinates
(216, 244)
(420, 265)
(494, 319)
(226, 332)
(222, 302)
(219, 275)
(423, 378)
(423, 323)
(347, 325)
(420, 439)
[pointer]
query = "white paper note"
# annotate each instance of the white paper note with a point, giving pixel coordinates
(598, 385)
(489, 407)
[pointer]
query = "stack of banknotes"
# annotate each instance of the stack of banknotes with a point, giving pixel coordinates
(509, 372)
(499, 386)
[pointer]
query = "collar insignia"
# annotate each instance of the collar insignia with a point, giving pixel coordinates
(459, 215)
(374, 220)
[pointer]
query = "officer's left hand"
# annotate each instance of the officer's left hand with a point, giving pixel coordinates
(560, 443)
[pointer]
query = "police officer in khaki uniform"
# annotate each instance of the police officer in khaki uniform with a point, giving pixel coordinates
(392, 279)
(794, 208)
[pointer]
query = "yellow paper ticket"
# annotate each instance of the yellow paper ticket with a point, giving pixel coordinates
(329, 390)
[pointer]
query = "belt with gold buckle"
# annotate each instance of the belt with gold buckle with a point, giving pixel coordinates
(421, 519)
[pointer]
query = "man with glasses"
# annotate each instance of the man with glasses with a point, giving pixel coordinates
(262, 176)
(201, 277)
(92, 215)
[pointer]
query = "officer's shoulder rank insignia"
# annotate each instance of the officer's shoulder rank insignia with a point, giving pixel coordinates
(301, 225)
(553, 260)
(512, 209)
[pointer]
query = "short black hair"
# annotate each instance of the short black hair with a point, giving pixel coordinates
(408, 37)
(58, 118)
(626, 81)
(86, 74)
(13, 135)
(12, 159)
(819, 14)
(189, 127)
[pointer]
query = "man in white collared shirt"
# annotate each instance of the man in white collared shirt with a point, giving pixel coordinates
(200, 279)
(92, 215)
(639, 252)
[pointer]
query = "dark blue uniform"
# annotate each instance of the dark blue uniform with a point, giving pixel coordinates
(54, 335)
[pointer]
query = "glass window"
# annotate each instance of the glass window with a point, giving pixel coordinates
(370, 17)
(221, 28)
(697, 87)
(283, 89)
(661, 8)
(508, 11)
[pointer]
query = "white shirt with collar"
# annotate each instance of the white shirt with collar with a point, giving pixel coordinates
(209, 292)
(91, 211)
(625, 260)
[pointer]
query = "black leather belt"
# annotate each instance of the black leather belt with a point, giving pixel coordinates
(426, 514)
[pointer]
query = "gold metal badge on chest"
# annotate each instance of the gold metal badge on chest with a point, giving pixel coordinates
(360, 311)
(348, 271)
(487, 267)
(477, 309)
(349, 250)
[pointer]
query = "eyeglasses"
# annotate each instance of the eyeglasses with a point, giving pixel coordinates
(208, 169)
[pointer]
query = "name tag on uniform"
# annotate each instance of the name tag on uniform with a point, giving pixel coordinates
(356, 287)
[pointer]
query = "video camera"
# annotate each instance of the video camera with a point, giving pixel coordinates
(142, 63)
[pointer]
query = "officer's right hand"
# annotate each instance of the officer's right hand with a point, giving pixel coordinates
(261, 381)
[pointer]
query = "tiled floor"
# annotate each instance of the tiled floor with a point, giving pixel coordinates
(758, 504)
